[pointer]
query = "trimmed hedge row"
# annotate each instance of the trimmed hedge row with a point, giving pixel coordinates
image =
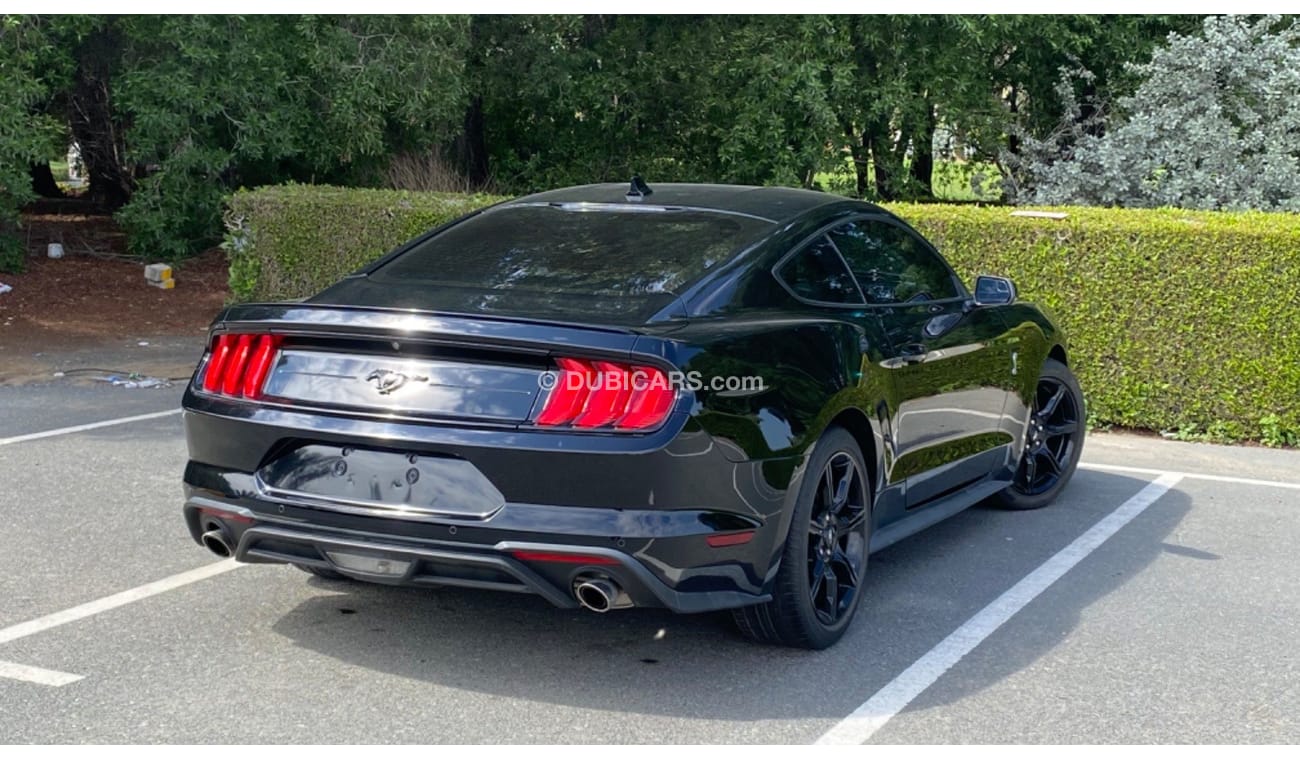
(290, 241)
(1187, 322)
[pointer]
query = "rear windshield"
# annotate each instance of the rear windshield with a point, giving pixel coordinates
(576, 249)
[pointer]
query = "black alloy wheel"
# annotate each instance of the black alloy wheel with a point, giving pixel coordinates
(1050, 440)
(1053, 440)
(818, 586)
(836, 539)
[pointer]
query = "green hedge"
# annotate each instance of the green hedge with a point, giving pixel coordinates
(1186, 322)
(290, 241)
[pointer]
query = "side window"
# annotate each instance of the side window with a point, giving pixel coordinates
(891, 264)
(817, 273)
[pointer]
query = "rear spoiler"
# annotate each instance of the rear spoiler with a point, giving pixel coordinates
(426, 326)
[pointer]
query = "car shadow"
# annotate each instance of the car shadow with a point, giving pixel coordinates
(653, 662)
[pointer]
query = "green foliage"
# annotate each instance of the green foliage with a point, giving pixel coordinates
(1178, 321)
(779, 99)
(292, 241)
(13, 254)
(1215, 124)
(217, 102)
(30, 68)
(1026, 53)
(187, 108)
(571, 99)
(1274, 433)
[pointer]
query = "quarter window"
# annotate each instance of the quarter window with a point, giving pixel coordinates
(893, 265)
(817, 273)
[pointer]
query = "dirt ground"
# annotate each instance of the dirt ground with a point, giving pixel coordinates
(92, 297)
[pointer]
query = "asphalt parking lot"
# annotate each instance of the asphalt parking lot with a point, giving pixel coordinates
(1157, 601)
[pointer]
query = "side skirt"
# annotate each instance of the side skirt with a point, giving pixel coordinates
(934, 512)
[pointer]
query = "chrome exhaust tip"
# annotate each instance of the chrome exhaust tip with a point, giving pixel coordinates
(597, 594)
(218, 543)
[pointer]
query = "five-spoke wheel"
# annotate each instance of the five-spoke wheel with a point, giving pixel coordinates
(1053, 440)
(835, 538)
(818, 584)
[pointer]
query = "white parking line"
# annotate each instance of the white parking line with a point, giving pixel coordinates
(54, 619)
(88, 426)
(36, 675)
(906, 686)
(1191, 475)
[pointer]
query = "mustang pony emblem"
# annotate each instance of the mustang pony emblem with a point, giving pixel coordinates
(386, 381)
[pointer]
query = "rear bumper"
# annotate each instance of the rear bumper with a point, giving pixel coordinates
(649, 505)
(260, 537)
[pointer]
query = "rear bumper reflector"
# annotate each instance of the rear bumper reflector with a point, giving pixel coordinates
(729, 539)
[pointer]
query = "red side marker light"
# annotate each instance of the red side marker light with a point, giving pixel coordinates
(729, 539)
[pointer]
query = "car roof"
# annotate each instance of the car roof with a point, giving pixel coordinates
(774, 204)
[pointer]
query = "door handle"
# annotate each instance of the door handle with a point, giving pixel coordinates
(912, 353)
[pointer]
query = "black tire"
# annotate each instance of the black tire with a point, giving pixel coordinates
(1053, 441)
(841, 524)
(322, 572)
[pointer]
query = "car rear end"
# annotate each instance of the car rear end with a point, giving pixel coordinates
(502, 451)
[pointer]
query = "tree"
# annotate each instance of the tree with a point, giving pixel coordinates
(172, 112)
(218, 102)
(95, 125)
(1018, 59)
(904, 74)
(1215, 124)
(30, 72)
(582, 99)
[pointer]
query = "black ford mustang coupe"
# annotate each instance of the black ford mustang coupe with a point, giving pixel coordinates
(697, 397)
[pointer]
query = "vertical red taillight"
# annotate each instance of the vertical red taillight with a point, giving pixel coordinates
(259, 365)
(569, 394)
(217, 362)
(235, 364)
(649, 407)
(239, 364)
(593, 395)
(608, 400)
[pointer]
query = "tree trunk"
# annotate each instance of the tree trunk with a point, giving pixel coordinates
(1089, 114)
(90, 116)
(861, 162)
(886, 157)
(43, 181)
(471, 144)
(1013, 106)
(469, 149)
(922, 168)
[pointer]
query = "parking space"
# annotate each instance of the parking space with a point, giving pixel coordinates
(1125, 612)
(1179, 629)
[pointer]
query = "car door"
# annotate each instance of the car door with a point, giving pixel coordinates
(949, 362)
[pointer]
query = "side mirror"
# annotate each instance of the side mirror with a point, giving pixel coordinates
(994, 291)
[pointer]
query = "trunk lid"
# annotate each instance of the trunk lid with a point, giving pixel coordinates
(418, 364)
